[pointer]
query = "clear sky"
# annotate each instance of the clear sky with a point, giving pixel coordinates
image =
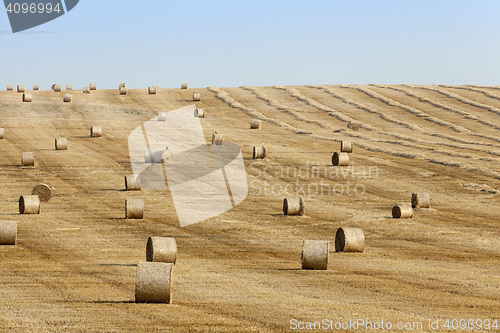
(257, 42)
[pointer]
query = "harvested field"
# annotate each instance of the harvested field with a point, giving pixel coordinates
(74, 266)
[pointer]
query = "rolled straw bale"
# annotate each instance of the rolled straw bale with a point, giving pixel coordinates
(315, 254)
(2, 132)
(122, 85)
(36, 87)
(293, 206)
(57, 88)
(93, 86)
(353, 126)
(29, 204)
(8, 232)
(134, 208)
(217, 138)
(200, 113)
(196, 97)
(420, 200)
(53, 87)
(161, 249)
(69, 87)
(162, 117)
(340, 159)
(10, 87)
(43, 191)
(402, 212)
(167, 156)
(28, 159)
(184, 86)
(346, 146)
(154, 282)
(86, 90)
(20, 88)
(95, 132)
(132, 182)
(27, 98)
(255, 124)
(61, 144)
(259, 152)
(123, 90)
(349, 240)
(68, 98)
(152, 90)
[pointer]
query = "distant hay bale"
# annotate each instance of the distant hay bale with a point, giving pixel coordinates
(184, 86)
(43, 191)
(196, 97)
(154, 282)
(134, 209)
(200, 113)
(346, 146)
(293, 206)
(255, 124)
(353, 126)
(86, 90)
(61, 144)
(69, 87)
(2, 132)
(29, 204)
(166, 157)
(95, 132)
(315, 254)
(53, 87)
(217, 138)
(132, 183)
(349, 240)
(152, 90)
(340, 159)
(68, 98)
(161, 249)
(57, 88)
(259, 152)
(420, 200)
(402, 212)
(36, 87)
(10, 87)
(27, 98)
(123, 91)
(162, 117)
(93, 86)
(122, 85)
(8, 232)
(20, 88)
(28, 159)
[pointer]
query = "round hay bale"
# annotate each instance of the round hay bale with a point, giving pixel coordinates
(402, 212)
(86, 90)
(353, 126)
(57, 88)
(69, 87)
(28, 159)
(340, 159)
(134, 208)
(20, 88)
(95, 132)
(184, 86)
(27, 98)
(196, 97)
(162, 117)
(29, 204)
(61, 144)
(161, 249)
(315, 254)
(167, 157)
(200, 113)
(256, 124)
(68, 98)
(293, 206)
(93, 86)
(123, 90)
(53, 87)
(346, 146)
(132, 183)
(10, 87)
(420, 200)
(2, 132)
(8, 232)
(43, 191)
(152, 90)
(259, 152)
(349, 240)
(36, 87)
(154, 282)
(217, 138)
(122, 85)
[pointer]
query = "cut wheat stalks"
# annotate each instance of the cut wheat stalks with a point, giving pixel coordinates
(259, 152)
(132, 183)
(196, 97)
(29, 204)
(340, 159)
(154, 282)
(402, 211)
(27, 98)
(43, 191)
(8, 232)
(200, 113)
(68, 98)
(420, 200)
(349, 240)
(161, 249)
(28, 159)
(217, 138)
(315, 254)
(184, 86)
(346, 146)
(293, 206)
(95, 132)
(61, 144)
(134, 208)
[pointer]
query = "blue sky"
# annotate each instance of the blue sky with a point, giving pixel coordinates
(259, 43)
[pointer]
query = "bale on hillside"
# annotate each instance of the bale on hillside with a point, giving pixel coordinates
(123, 91)
(293, 206)
(315, 254)
(10, 87)
(134, 208)
(20, 88)
(93, 86)
(217, 138)
(420, 200)
(86, 90)
(349, 240)
(340, 159)
(61, 144)
(196, 97)
(28, 159)
(346, 146)
(122, 85)
(68, 98)
(95, 132)
(200, 113)
(29, 204)
(184, 86)
(162, 117)
(53, 87)
(132, 182)
(259, 152)
(152, 90)
(43, 191)
(255, 124)
(8, 232)
(353, 126)
(69, 87)
(154, 282)
(27, 98)
(161, 249)
(57, 88)
(36, 87)
(2, 133)
(402, 212)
